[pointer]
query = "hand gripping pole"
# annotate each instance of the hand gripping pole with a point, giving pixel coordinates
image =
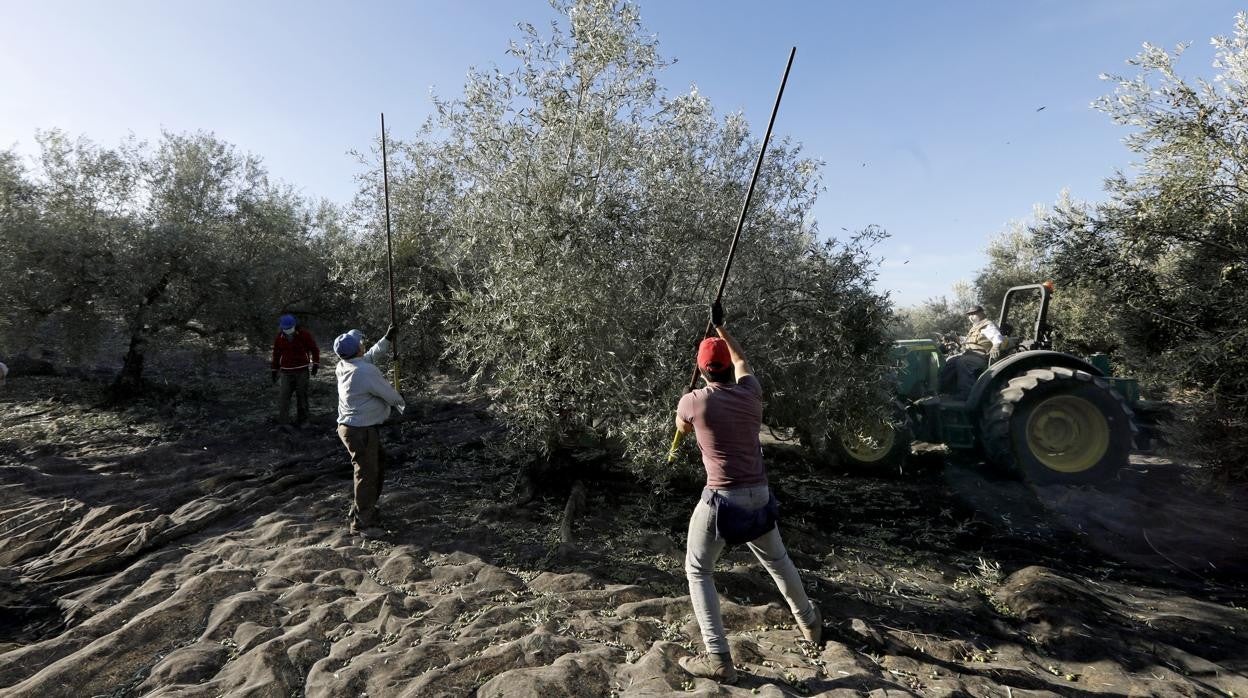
(736, 237)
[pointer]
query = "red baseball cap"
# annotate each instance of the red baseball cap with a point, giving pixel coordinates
(713, 355)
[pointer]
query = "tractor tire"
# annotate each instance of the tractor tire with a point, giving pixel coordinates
(884, 448)
(1058, 425)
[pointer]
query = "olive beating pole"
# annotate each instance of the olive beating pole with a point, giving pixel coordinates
(385, 182)
(736, 237)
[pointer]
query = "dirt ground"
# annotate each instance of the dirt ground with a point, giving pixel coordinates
(183, 547)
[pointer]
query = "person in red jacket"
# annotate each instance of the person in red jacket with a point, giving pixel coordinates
(295, 357)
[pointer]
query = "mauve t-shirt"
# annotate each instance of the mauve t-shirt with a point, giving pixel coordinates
(726, 418)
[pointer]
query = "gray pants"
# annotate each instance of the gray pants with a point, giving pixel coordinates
(704, 549)
(296, 383)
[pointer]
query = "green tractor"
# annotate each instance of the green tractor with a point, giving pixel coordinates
(1051, 417)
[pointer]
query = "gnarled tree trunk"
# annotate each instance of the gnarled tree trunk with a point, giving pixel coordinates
(130, 380)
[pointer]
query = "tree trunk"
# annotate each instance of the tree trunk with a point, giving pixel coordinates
(130, 381)
(575, 505)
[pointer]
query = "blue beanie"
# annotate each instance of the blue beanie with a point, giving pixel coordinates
(357, 334)
(286, 322)
(346, 346)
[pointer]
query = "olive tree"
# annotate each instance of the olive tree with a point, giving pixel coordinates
(427, 252)
(1168, 252)
(188, 236)
(56, 230)
(1013, 259)
(937, 317)
(580, 216)
(1017, 257)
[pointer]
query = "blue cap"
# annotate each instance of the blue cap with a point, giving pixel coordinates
(286, 322)
(357, 334)
(346, 346)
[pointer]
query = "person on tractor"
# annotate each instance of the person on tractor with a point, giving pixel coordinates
(981, 346)
(737, 506)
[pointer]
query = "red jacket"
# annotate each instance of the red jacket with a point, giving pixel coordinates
(295, 353)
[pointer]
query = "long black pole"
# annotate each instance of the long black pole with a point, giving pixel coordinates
(385, 183)
(736, 236)
(749, 194)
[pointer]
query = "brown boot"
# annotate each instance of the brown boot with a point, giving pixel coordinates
(814, 631)
(711, 666)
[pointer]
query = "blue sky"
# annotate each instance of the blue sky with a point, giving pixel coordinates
(925, 112)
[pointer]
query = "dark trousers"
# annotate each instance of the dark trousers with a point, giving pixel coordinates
(292, 382)
(368, 463)
(959, 373)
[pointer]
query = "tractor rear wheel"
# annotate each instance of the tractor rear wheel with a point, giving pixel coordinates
(1058, 425)
(885, 445)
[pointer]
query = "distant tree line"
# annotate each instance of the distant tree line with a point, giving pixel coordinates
(153, 241)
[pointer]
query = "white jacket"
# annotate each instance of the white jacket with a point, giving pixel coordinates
(377, 351)
(364, 395)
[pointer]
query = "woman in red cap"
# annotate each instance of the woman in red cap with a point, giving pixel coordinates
(737, 505)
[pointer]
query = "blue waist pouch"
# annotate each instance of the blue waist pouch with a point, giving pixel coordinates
(736, 524)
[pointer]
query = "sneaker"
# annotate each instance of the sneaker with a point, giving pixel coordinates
(717, 667)
(814, 631)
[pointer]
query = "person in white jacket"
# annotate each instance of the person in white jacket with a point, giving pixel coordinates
(365, 398)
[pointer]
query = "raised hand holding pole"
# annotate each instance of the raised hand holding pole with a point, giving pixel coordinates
(736, 237)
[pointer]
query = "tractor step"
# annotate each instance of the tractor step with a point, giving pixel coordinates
(942, 419)
(957, 425)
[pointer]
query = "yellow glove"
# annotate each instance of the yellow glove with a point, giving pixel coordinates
(671, 454)
(995, 352)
